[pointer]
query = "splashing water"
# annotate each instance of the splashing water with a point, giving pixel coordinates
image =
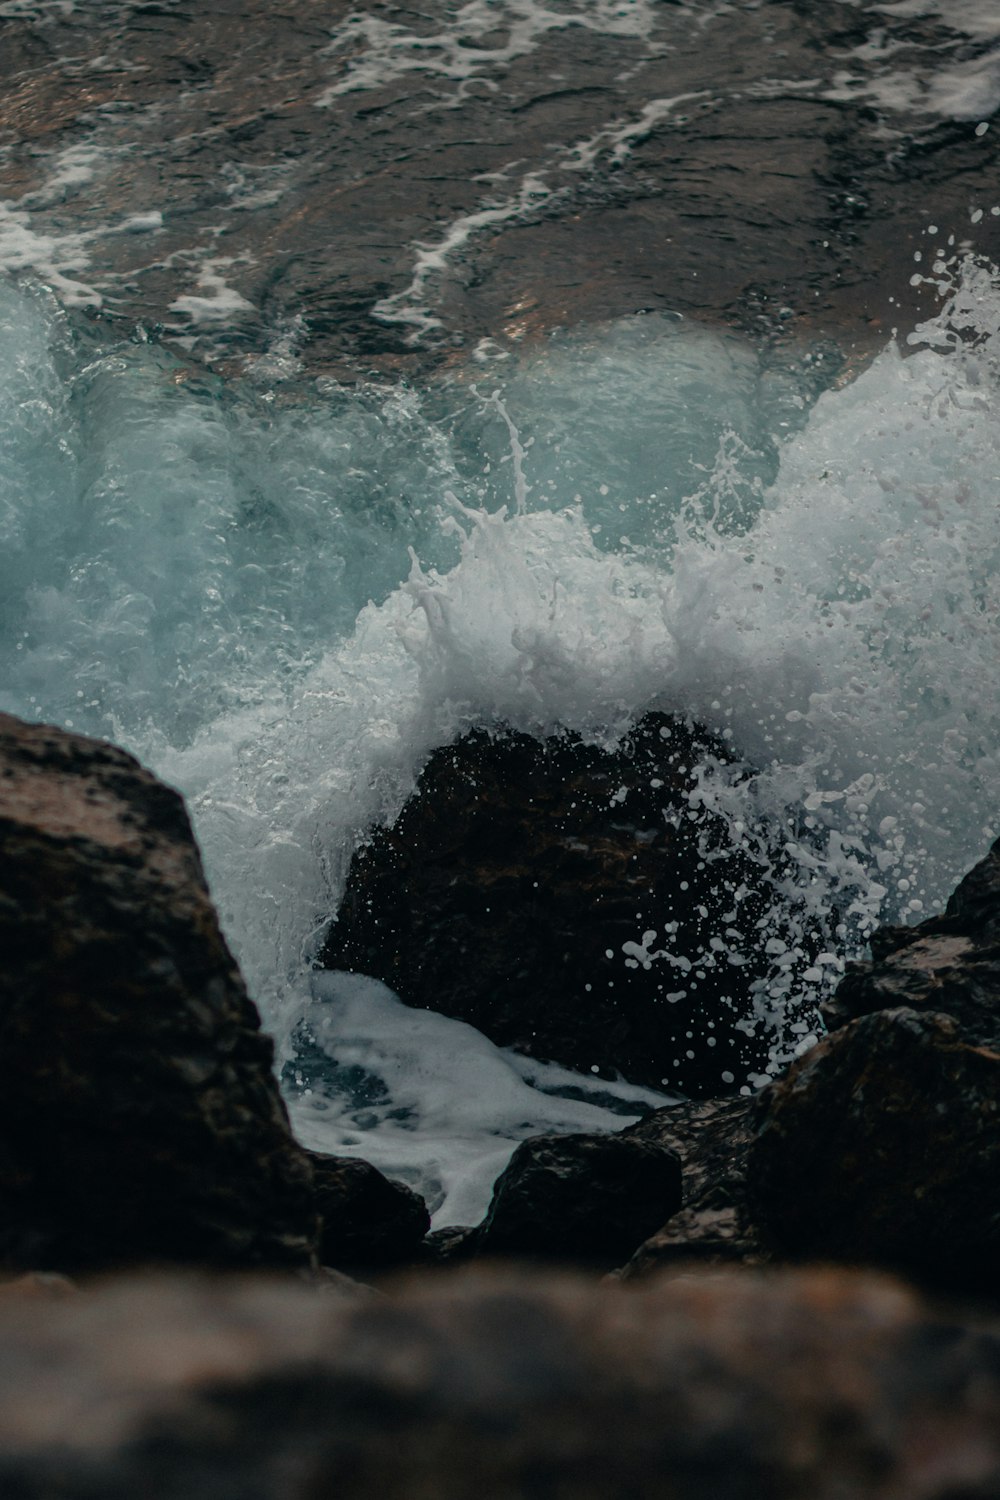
(283, 603)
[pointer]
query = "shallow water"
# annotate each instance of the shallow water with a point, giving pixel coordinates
(283, 589)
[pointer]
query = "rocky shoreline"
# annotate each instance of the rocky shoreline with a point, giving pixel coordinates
(141, 1131)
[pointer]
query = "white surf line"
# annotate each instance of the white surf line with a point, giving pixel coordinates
(620, 139)
(391, 50)
(55, 258)
(411, 306)
(218, 302)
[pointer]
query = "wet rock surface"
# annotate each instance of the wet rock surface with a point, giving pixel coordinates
(382, 188)
(366, 1219)
(949, 964)
(881, 1146)
(711, 1139)
(813, 1386)
(580, 1198)
(161, 1136)
(516, 887)
(139, 1116)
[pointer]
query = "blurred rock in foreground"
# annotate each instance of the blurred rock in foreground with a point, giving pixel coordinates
(800, 1386)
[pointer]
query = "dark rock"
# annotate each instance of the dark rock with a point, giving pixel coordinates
(583, 1198)
(949, 964)
(365, 1219)
(703, 1236)
(801, 1386)
(450, 1246)
(515, 889)
(882, 1146)
(711, 1139)
(139, 1117)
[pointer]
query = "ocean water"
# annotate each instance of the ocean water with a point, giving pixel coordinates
(283, 590)
(284, 605)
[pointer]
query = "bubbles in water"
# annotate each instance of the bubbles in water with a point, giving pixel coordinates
(285, 604)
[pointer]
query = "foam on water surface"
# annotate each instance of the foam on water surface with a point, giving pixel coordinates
(284, 604)
(429, 1099)
(958, 78)
(974, 18)
(476, 41)
(37, 10)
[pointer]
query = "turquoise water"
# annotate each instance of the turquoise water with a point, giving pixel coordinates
(283, 593)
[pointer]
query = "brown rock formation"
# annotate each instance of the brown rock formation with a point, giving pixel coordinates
(949, 964)
(139, 1117)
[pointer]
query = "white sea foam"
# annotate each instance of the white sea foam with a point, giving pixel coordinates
(616, 141)
(842, 643)
(973, 18)
(214, 301)
(410, 305)
(433, 1102)
(54, 255)
(479, 40)
(37, 10)
(945, 81)
(965, 90)
(54, 258)
(70, 170)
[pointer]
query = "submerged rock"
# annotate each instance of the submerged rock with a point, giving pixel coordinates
(802, 1386)
(580, 1198)
(139, 1116)
(580, 905)
(366, 1219)
(882, 1146)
